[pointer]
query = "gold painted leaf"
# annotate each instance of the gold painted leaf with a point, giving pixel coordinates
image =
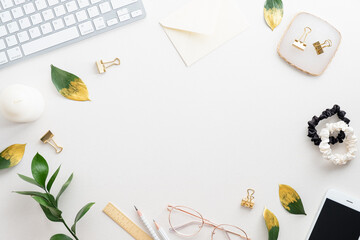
(291, 200)
(273, 13)
(272, 224)
(69, 85)
(12, 155)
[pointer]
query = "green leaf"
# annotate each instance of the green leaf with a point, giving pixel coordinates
(46, 203)
(80, 214)
(39, 169)
(273, 13)
(64, 187)
(29, 180)
(49, 215)
(272, 224)
(69, 85)
(51, 199)
(52, 179)
(32, 193)
(60, 237)
(47, 196)
(12, 155)
(291, 200)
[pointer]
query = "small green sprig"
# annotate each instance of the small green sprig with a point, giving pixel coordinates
(48, 203)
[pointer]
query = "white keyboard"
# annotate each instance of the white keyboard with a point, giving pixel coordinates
(31, 27)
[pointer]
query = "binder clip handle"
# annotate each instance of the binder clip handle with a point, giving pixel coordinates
(306, 32)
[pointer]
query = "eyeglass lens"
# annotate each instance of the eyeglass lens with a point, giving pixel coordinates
(185, 221)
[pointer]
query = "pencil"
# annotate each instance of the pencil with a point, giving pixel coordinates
(147, 225)
(161, 231)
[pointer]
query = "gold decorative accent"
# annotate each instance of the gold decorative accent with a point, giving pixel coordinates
(319, 47)
(48, 138)
(248, 201)
(300, 43)
(102, 66)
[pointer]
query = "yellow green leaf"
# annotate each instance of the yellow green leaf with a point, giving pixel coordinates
(273, 13)
(272, 224)
(12, 155)
(291, 200)
(69, 85)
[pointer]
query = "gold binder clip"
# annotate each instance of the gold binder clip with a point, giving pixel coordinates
(248, 201)
(320, 47)
(300, 43)
(48, 138)
(102, 66)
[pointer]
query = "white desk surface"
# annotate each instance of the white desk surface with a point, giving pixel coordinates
(157, 132)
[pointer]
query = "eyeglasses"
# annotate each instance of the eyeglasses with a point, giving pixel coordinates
(188, 222)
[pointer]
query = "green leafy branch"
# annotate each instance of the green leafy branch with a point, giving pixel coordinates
(48, 203)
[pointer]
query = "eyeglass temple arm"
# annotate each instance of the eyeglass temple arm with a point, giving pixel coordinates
(185, 225)
(239, 235)
(172, 229)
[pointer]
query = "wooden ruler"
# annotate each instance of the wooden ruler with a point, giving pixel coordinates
(123, 221)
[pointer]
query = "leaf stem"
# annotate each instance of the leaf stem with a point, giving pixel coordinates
(67, 227)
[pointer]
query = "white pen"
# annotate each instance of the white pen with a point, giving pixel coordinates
(161, 231)
(147, 225)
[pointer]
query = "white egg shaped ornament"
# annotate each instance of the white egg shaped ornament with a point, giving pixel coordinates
(21, 104)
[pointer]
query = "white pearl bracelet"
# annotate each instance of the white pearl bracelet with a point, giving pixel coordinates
(350, 142)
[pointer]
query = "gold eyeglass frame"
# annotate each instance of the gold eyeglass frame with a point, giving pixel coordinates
(204, 221)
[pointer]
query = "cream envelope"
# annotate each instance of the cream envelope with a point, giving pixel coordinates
(202, 26)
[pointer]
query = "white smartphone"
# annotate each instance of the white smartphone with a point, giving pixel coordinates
(337, 219)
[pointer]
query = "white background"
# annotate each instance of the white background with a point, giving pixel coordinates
(157, 132)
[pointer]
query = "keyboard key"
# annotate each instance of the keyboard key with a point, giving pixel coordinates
(11, 40)
(17, 12)
(2, 44)
(3, 31)
(122, 11)
(5, 16)
(59, 10)
(36, 18)
(13, 27)
(105, 7)
(24, 23)
(93, 11)
(48, 14)
(3, 58)
(50, 40)
(86, 28)
(95, 1)
(14, 53)
(34, 32)
(125, 17)
(112, 22)
(29, 8)
(46, 28)
(99, 23)
(52, 2)
(40, 4)
(83, 3)
(81, 16)
(121, 3)
(17, 2)
(7, 3)
(136, 13)
(58, 24)
(69, 20)
(23, 36)
(71, 6)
